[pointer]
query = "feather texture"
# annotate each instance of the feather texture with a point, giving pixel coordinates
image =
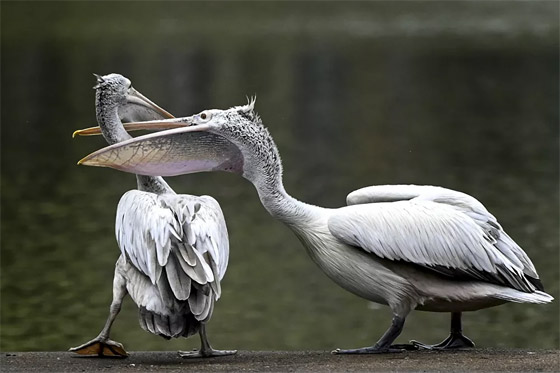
(443, 230)
(179, 245)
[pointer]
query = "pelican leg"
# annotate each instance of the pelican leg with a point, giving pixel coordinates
(101, 345)
(384, 344)
(456, 339)
(205, 349)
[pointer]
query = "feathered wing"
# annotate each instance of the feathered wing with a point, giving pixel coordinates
(180, 243)
(440, 229)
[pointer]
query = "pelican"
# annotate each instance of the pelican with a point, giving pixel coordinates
(174, 247)
(405, 246)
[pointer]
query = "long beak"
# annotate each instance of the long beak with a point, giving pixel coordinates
(133, 126)
(169, 153)
(135, 98)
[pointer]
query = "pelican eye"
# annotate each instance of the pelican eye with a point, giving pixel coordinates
(205, 116)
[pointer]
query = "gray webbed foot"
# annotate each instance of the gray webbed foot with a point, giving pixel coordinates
(205, 353)
(453, 341)
(384, 345)
(405, 346)
(206, 349)
(102, 347)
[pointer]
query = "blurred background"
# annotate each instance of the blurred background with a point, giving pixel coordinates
(458, 94)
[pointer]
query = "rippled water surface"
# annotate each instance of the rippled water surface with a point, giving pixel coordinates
(463, 95)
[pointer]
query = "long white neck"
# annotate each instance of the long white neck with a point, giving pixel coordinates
(308, 222)
(108, 119)
(113, 131)
(283, 206)
(267, 179)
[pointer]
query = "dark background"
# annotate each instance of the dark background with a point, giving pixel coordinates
(458, 94)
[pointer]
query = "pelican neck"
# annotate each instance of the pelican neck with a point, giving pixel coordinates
(107, 114)
(281, 205)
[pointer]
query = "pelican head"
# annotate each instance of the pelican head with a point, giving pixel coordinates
(242, 126)
(232, 140)
(115, 87)
(114, 94)
(115, 90)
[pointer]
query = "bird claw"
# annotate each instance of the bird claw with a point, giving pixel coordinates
(101, 347)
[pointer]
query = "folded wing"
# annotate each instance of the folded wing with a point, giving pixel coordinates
(179, 242)
(442, 230)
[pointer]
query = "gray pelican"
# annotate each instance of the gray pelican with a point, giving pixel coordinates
(174, 247)
(405, 246)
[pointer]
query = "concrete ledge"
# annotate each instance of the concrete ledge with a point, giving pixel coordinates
(288, 361)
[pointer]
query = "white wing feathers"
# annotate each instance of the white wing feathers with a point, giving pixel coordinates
(446, 231)
(210, 235)
(183, 238)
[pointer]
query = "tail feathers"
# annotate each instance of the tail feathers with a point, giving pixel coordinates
(512, 295)
(201, 301)
(172, 326)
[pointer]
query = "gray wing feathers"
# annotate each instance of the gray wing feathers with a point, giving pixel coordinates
(462, 202)
(508, 246)
(199, 271)
(143, 230)
(492, 229)
(216, 284)
(182, 237)
(393, 193)
(435, 235)
(384, 193)
(168, 326)
(199, 303)
(211, 234)
(179, 280)
(187, 253)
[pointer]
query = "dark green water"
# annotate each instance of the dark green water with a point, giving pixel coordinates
(463, 95)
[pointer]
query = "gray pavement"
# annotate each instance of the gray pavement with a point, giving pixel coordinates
(288, 361)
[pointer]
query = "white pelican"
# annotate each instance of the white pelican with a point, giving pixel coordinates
(174, 247)
(406, 246)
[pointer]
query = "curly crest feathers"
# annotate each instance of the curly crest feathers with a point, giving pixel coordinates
(248, 111)
(100, 81)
